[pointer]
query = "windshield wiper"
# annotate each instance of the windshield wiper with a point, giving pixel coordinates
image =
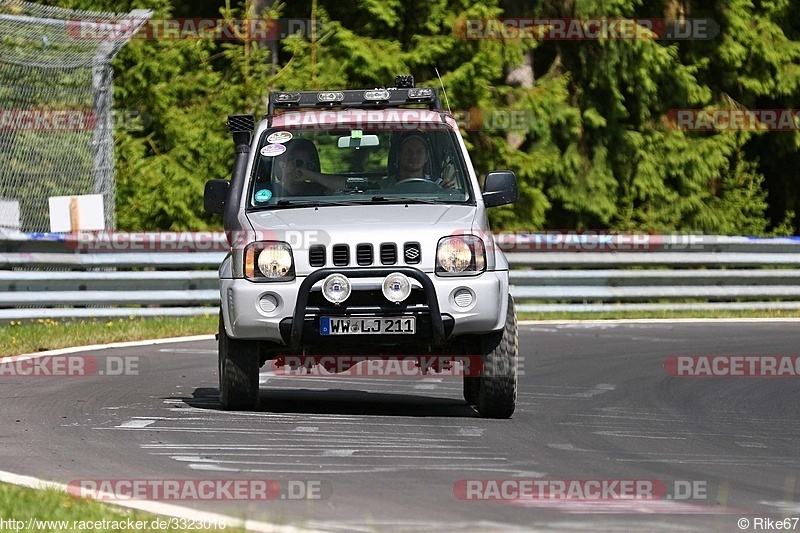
(312, 203)
(404, 200)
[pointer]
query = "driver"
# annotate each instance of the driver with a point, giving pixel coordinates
(411, 162)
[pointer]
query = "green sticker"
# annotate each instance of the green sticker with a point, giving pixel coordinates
(263, 195)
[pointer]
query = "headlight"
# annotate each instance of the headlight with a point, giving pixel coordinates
(460, 256)
(268, 261)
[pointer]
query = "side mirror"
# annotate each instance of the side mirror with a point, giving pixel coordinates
(215, 196)
(500, 188)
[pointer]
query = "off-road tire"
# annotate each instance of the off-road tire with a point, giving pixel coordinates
(497, 384)
(238, 372)
(471, 385)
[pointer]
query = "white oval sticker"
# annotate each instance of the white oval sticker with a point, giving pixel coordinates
(280, 137)
(271, 150)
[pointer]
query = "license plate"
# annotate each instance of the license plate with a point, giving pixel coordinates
(405, 325)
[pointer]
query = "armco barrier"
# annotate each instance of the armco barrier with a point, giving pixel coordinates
(45, 276)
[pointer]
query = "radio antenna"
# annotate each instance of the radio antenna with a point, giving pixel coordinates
(443, 91)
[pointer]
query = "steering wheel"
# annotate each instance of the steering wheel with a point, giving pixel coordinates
(427, 185)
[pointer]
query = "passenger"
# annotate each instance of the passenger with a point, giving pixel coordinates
(289, 180)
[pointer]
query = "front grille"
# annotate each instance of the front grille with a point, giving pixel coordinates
(388, 253)
(412, 254)
(316, 255)
(364, 254)
(341, 255)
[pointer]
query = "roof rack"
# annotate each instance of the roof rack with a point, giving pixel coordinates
(404, 95)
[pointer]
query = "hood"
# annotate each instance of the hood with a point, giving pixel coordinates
(370, 224)
(387, 217)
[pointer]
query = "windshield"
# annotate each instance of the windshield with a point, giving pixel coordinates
(298, 168)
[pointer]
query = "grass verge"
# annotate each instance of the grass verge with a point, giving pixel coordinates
(29, 336)
(50, 510)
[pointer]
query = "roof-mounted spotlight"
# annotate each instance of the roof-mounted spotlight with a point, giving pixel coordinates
(404, 82)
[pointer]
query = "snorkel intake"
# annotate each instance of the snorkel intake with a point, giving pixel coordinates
(241, 126)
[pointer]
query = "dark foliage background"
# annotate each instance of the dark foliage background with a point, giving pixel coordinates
(594, 149)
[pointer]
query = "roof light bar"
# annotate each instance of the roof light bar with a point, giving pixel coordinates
(375, 98)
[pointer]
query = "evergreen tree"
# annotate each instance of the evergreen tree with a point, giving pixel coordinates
(584, 124)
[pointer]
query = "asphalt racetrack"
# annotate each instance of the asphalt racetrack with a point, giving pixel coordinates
(596, 406)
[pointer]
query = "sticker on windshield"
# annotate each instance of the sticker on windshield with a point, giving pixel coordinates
(263, 195)
(271, 150)
(280, 137)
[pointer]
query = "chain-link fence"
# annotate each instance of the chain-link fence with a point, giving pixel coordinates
(56, 125)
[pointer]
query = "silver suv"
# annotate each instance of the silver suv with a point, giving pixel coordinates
(357, 226)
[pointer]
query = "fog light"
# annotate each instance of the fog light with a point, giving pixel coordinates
(463, 297)
(268, 303)
(396, 287)
(336, 288)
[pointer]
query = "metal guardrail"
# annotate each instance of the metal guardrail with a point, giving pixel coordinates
(48, 276)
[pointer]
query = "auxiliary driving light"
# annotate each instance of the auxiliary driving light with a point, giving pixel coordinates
(330, 97)
(422, 93)
(396, 287)
(336, 288)
(377, 94)
(288, 98)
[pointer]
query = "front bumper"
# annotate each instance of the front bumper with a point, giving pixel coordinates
(295, 319)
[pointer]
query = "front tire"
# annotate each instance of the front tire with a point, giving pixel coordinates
(471, 387)
(497, 384)
(238, 371)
